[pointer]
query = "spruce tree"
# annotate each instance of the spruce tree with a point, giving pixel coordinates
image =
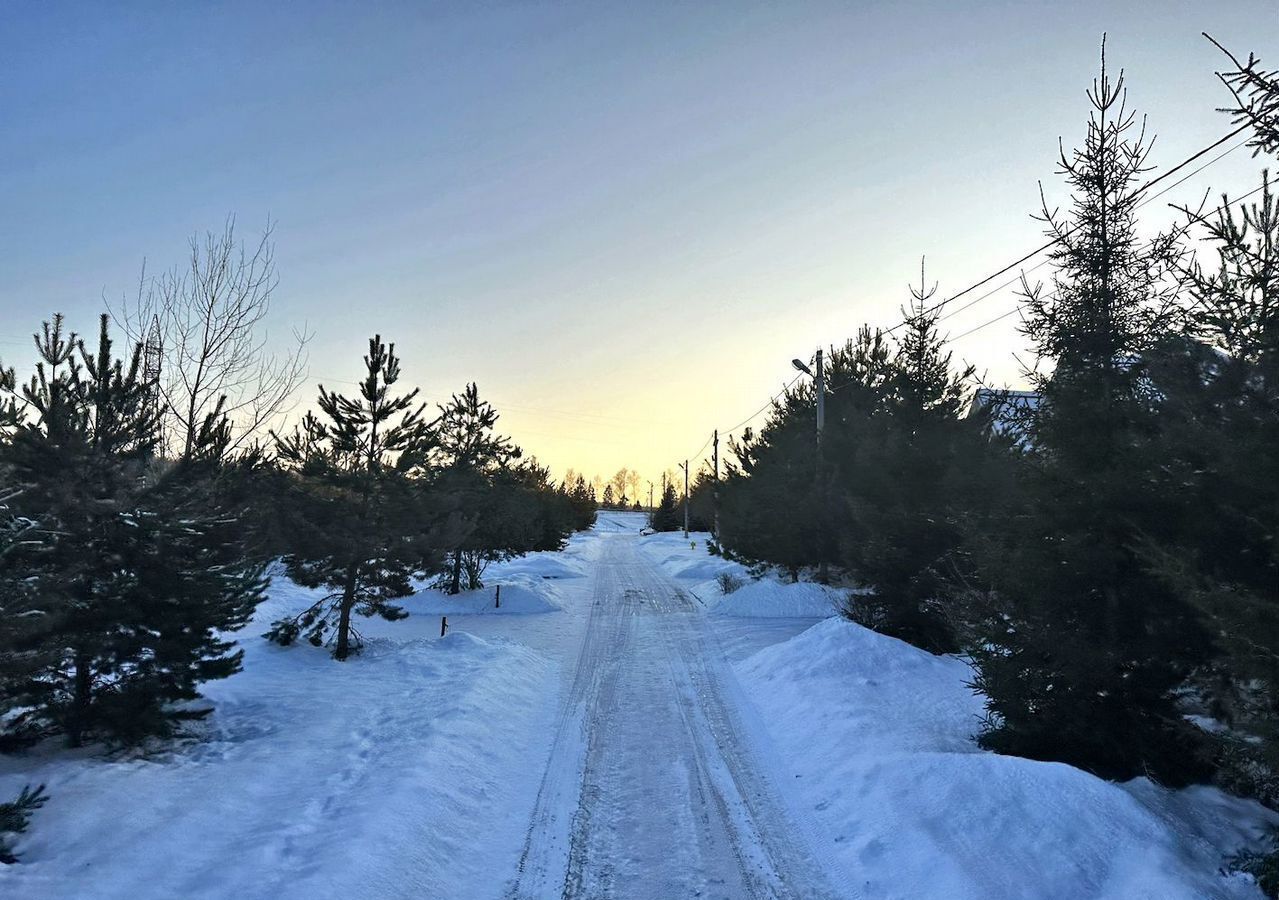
(770, 510)
(905, 468)
(667, 516)
(776, 506)
(1082, 651)
(701, 500)
(362, 521)
(583, 502)
(1218, 448)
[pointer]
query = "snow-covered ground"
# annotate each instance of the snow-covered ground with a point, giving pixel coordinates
(618, 728)
(392, 775)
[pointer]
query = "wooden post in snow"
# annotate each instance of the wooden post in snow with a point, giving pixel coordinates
(444, 625)
(499, 596)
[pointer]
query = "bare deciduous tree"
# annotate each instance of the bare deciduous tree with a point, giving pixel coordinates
(213, 350)
(618, 483)
(633, 483)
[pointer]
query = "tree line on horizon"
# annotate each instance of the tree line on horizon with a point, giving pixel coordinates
(1103, 548)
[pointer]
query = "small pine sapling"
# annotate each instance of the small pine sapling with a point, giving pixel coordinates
(15, 816)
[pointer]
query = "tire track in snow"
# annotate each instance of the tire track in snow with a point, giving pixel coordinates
(545, 858)
(666, 800)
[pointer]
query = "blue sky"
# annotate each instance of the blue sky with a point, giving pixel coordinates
(622, 220)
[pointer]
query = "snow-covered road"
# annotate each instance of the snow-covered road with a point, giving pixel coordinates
(650, 791)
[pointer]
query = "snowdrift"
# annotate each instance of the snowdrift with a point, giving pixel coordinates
(517, 599)
(875, 736)
(692, 566)
(538, 565)
(769, 598)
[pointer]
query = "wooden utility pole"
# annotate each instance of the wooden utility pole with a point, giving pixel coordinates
(820, 385)
(685, 467)
(715, 493)
(819, 379)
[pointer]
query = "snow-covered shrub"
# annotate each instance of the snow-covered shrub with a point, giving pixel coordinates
(728, 582)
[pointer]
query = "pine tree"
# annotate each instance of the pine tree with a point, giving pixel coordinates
(362, 524)
(608, 501)
(471, 456)
(132, 575)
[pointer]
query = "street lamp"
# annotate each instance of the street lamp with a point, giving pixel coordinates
(819, 388)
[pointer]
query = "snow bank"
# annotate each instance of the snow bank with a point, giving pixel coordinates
(767, 597)
(690, 563)
(517, 599)
(876, 738)
(538, 565)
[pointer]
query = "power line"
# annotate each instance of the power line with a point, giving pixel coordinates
(1044, 262)
(1018, 307)
(726, 432)
(1026, 258)
(757, 412)
(1137, 193)
(1015, 309)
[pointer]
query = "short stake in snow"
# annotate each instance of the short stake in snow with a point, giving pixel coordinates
(444, 625)
(498, 598)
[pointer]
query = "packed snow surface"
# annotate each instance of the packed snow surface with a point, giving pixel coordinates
(649, 736)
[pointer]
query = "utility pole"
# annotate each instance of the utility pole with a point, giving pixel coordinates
(650, 497)
(819, 388)
(715, 494)
(819, 379)
(685, 467)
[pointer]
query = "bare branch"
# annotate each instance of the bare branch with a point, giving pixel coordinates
(215, 348)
